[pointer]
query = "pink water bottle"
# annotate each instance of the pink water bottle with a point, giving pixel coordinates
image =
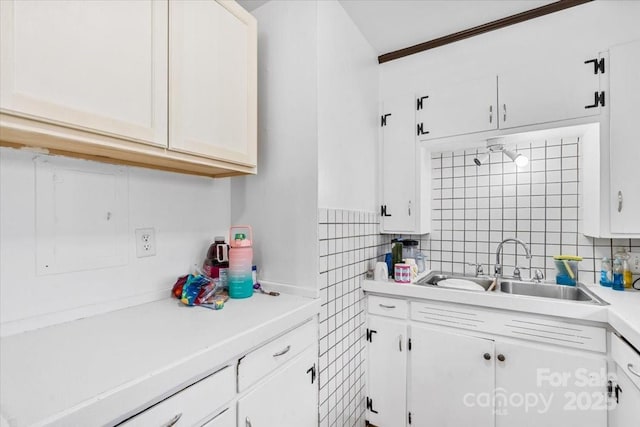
(240, 277)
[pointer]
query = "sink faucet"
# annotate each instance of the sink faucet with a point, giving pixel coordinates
(498, 267)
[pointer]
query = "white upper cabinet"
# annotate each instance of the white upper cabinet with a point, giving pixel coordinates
(213, 80)
(559, 87)
(624, 81)
(95, 65)
(406, 171)
(455, 109)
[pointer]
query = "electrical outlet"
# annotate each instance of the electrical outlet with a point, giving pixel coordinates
(634, 262)
(145, 242)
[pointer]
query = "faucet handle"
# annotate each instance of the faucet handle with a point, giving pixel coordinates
(538, 276)
(516, 272)
(478, 267)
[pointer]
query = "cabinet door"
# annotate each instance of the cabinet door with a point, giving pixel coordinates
(398, 165)
(455, 109)
(226, 418)
(624, 145)
(213, 80)
(451, 379)
(289, 398)
(387, 368)
(544, 90)
(551, 387)
(95, 65)
(626, 412)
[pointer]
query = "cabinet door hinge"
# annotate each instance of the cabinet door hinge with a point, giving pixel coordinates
(420, 129)
(383, 211)
(409, 344)
(409, 417)
(383, 119)
(598, 100)
(598, 65)
(370, 405)
(614, 391)
(419, 102)
(370, 333)
(312, 371)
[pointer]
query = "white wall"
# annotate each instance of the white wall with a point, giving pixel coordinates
(281, 201)
(186, 212)
(347, 113)
(596, 25)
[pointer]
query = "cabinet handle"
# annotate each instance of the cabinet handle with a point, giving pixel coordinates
(173, 420)
(620, 201)
(400, 343)
(490, 113)
(501, 357)
(247, 422)
(409, 208)
(387, 306)
(487, 356)
(284, 351)
(633, 370)
(504, 112)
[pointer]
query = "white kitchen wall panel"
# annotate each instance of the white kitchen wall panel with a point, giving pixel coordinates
(186, 212)
(82, 215)
(98, 65)
(349, 245)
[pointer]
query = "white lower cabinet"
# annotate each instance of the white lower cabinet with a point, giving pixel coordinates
(487, 368)
(625, 385)
(287, 398)
(225, 418)
(387, 367)
(275, 384)
(192, 406)
(448, 372)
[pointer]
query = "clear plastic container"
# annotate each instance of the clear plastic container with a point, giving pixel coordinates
(618, 283)
(606, 277)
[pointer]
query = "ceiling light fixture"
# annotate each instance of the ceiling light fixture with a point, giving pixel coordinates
(482, 158)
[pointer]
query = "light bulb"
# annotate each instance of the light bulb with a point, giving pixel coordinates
(520, 160)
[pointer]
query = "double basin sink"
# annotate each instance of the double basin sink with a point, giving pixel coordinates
(578, 293)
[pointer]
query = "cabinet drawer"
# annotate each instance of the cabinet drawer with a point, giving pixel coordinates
(270, 356)
(626, 357)
(384, 306)
(191, 406)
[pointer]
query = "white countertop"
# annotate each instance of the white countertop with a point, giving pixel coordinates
(102, 367)
(622, 313)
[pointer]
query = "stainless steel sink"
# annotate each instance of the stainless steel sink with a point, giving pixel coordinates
(578, 293)
(434, 277)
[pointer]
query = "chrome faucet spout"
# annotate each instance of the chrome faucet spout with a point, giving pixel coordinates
(498, 267)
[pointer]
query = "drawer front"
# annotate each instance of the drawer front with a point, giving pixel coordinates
(627, 358)
(191, 406)
(384, 306)
(510, 324)
(270, 356)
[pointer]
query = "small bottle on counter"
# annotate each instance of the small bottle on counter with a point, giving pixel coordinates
(605, 272)
(618, 283)
(627, 276)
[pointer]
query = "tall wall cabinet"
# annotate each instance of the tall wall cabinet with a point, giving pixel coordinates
(157, 83)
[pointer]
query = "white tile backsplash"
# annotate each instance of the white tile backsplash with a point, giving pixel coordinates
(351, 245)
(474, 208)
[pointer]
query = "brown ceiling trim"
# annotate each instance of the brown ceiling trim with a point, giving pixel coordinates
(481, 29)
